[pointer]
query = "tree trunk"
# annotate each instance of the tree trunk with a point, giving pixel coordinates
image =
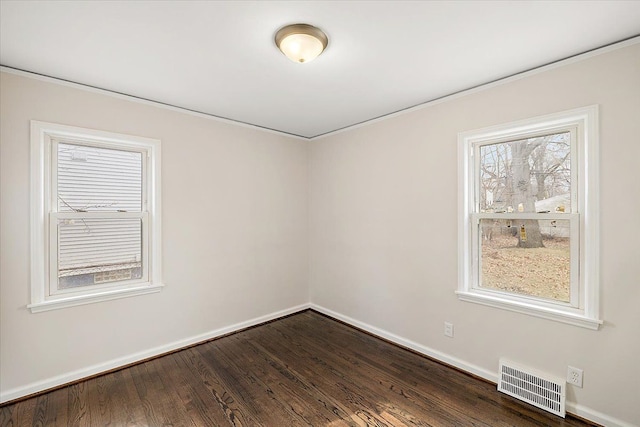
(529, 235)
(523, 199)
(540, 173)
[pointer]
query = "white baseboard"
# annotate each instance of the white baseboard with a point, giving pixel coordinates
(79, 374)
(595, 416)
(571, 407)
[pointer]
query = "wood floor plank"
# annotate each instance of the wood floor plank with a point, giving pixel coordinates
(18, 416)
(181, 402)
(7, 416)
(157, 400)
(101, 399)
(121, 405)
(55, 408)
(302, 370)
(167, 396)
(230, 399)
(77, 411)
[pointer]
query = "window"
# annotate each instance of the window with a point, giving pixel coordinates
(95, 216)
(528, 222)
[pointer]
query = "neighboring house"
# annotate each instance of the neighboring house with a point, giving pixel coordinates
(94, 179)
(560, 203)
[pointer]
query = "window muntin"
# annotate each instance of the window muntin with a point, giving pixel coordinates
(95, 216)
(559, 168)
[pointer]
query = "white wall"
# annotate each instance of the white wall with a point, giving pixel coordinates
(383, 232)
(234, 236)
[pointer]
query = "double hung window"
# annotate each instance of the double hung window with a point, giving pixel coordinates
(528, 217)
(95, 216)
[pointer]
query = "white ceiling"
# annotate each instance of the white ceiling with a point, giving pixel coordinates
(219, 58)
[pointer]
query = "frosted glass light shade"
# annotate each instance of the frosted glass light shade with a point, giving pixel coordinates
(301, 42)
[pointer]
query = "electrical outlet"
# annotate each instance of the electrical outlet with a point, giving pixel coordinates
(448, 329)
(574, 376)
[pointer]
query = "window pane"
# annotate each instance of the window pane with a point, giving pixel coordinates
(95, 251)
(508, 265)
(98, 179)
(527, 175)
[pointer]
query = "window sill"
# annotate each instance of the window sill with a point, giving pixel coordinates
(531, 309)
(54, 304)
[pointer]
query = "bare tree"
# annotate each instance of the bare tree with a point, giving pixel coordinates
(517, 174)
(551, 166)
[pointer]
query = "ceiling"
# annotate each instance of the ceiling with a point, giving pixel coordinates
(219, 58)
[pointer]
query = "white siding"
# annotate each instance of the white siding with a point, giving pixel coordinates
(96, 179)
(93, 243)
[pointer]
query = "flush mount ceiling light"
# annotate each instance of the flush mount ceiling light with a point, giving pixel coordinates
(301, 42)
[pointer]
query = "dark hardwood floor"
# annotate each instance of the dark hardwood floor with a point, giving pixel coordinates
(303, 370)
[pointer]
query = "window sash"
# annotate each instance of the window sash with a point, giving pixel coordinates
(54, 202)
(477, 144)
(54, 252)
(575, 290)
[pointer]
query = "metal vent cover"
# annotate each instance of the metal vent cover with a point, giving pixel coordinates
(526, 384)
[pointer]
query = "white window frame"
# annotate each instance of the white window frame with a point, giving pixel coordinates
(583, 309)
(45, 216)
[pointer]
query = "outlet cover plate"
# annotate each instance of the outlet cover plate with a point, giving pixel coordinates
(574, 376)
(448, 329)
